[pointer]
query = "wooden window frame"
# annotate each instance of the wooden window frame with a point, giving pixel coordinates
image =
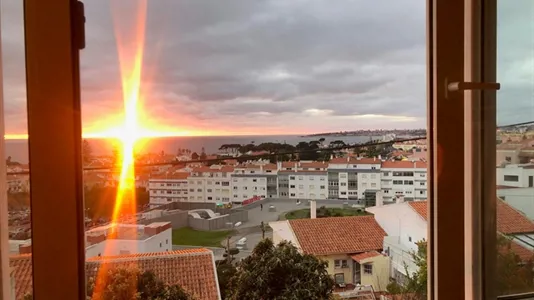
(55, 142)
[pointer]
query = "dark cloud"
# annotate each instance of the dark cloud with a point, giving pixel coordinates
(230, 63)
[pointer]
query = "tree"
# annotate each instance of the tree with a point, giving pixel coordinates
(87, 152)
(280, 272)
(513, 274)
(225, 272)
(415, 284)
(194, 156)
(203, 154)
(131, 284)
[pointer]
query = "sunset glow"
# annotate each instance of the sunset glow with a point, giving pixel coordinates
(130, 39)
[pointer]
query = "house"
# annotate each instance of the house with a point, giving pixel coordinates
(352, 246)
(192, 269)
(406, 225)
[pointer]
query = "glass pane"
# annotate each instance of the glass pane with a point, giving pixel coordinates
(250, 120)
(16, 147)
(515, 144)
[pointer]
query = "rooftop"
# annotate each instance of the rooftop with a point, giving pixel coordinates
(337, 235)
(192, 269)
(509, 220)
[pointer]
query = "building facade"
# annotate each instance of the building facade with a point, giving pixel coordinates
(164, 189)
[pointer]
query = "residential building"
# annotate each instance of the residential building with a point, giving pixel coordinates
(519, 198)
(406, 179)
(306, 180)
(166, 188)
(254, 180)
(519, 151)
(210, 184)
(120, 239)
(352, 246)
(351, 178)
(406, 225)
(186, 268)
(516, 175)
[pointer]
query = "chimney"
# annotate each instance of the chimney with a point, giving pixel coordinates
(348, 158)
(379, 157)
(279, 165)
(379, 199)
(313, 209)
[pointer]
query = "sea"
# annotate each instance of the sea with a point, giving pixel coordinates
(18, 149)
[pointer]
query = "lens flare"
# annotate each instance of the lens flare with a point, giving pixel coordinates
(130, 37)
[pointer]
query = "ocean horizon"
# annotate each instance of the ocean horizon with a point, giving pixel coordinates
(18, 148)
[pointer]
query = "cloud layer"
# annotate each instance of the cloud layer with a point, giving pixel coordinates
(270, 66)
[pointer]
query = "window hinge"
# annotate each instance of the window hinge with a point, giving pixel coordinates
(79, 25)
(464, 86)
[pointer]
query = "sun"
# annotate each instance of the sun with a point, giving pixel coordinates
(130, 46)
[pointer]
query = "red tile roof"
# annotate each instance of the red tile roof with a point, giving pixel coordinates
(404, 164)
(315, 164)
(510, 220)
(338, 235)
(352, 160)
(270, 167)
(175, 176)
(204, 169)
(22, 272)
(364, 255)
(192, 269)
(421, 208)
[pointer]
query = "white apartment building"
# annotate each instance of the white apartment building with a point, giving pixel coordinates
(404, 179)
(254, 180)
(167, 188)
(516, 175)
(120, 239)
(303, 180)
(210, 184)
(352, 177)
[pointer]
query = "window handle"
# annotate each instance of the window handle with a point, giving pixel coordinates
(464, 86)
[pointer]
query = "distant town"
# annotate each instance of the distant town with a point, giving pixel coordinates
(377, 132)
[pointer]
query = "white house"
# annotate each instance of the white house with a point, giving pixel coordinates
(519, 198)
(516, 175)
(350, 178)
(121, 239)
(406, 224)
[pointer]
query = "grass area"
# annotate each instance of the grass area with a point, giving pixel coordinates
(325, 212)
(191, 237)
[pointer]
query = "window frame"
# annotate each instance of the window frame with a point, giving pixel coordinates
(49, 46)
(52, 72)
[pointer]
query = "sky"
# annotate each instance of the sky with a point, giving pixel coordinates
(215, 67)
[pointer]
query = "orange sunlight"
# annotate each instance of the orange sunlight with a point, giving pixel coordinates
(130, 46)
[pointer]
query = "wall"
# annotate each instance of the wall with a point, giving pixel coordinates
(516, 170)
(521, 199)
(160, 242)
(114, 247)
(218, 223)
(347, 272)
(380, 277)
(178, 219)
(400, 220)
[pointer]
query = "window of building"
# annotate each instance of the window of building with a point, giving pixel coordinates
(291, 177)
(368, 269)
(513, 178)
(322, 187)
